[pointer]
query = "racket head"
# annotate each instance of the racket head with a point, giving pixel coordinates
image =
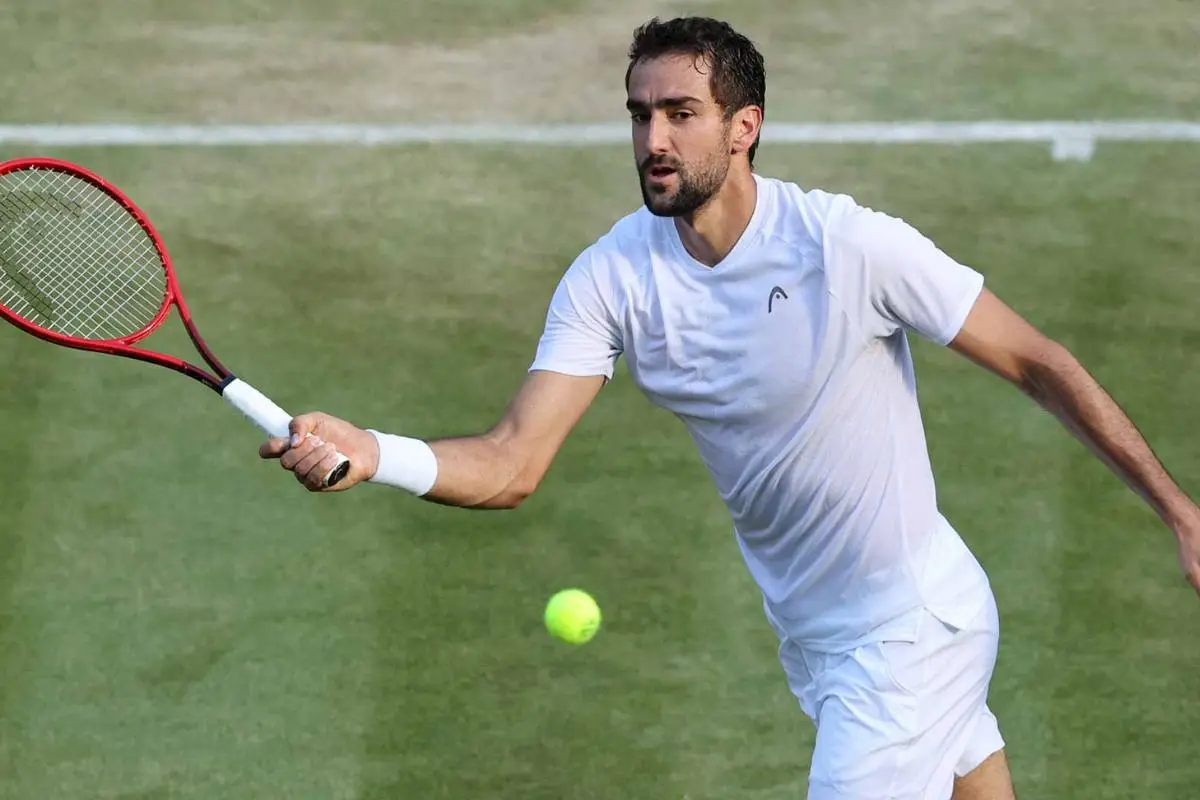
(106, 277)
(109, 280)
(82, 266)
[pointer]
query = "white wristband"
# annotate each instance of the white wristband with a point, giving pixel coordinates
(405, 463)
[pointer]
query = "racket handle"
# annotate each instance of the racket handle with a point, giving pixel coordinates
(273, 420)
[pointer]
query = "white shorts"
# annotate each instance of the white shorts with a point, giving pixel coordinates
(899, 720)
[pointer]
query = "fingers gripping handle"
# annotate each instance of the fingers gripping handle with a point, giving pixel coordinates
(272, 419)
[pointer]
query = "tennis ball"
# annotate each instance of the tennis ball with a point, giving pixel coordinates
(573, 616)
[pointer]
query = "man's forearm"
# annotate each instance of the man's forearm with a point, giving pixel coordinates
(1064, 387)
(468, 472)
(476, 472)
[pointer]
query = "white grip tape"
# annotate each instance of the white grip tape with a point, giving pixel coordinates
(273, 420)
(258, 407)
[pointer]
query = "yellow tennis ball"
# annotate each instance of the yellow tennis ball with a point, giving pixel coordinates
(573, 616)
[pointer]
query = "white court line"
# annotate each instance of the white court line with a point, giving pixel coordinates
(1068, 140)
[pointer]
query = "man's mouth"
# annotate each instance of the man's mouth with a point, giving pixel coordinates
(660, 172)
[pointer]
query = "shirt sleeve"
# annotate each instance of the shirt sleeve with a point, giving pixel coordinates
(581, 336)
(895, 277)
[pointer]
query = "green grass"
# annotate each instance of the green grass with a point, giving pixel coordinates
(526, 60)
(360, 20)
(153, 60)
(972, 59)
(182, 619)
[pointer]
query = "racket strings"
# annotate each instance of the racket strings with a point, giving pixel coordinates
(73, 259)
(123, 311)
(106, 280)
(74, 270)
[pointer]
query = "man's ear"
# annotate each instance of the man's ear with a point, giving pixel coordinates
(745, 127)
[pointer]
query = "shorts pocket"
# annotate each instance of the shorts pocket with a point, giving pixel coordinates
(907, 665)
(901, 665)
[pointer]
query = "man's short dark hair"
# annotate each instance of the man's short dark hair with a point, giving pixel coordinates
(739, 76)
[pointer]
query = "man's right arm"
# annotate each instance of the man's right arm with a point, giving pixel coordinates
(493, 470)
(502, 467)
(576, 354)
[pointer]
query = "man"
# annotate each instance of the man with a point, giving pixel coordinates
(773, 323)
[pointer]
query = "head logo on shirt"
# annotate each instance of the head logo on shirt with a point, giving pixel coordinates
(776, 292)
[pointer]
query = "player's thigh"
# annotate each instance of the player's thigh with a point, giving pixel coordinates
(991, 780)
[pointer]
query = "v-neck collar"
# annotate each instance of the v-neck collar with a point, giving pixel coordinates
(731, 258)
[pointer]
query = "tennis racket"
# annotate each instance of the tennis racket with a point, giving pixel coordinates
(81, 266)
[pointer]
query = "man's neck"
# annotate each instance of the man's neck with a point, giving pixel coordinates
(710, 233)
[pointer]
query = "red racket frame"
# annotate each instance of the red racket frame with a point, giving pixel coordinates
(124, 346)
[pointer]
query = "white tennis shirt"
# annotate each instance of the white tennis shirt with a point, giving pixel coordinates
(789, 365)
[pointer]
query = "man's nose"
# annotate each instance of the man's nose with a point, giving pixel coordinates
(658, 136)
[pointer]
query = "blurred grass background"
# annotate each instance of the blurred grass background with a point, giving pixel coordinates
(181, 620)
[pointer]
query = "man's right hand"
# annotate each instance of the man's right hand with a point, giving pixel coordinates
(312, 451)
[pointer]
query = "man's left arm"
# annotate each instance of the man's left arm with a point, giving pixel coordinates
(1000, 340)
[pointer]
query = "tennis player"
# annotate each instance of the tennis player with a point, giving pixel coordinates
(774, 322)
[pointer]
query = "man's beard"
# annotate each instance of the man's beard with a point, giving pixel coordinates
(695, 185)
